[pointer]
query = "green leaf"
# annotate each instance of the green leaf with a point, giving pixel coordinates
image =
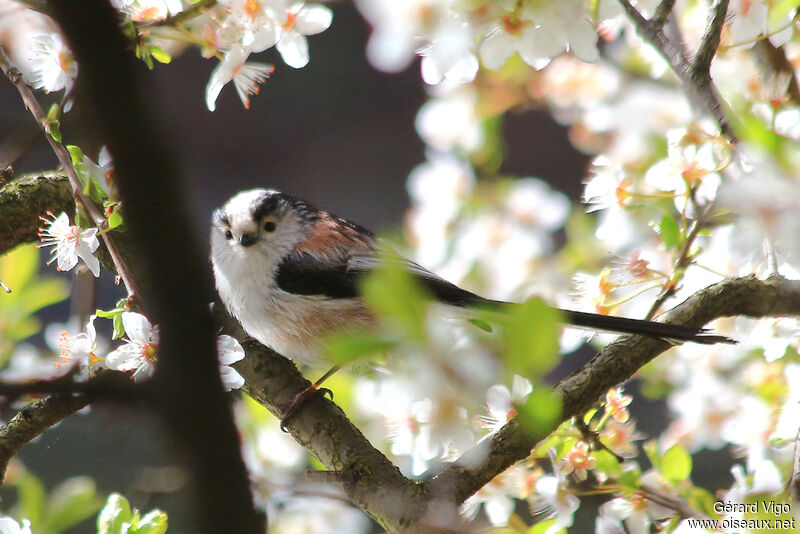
(54, 113)
(543, 527)
(607, 463)
(669, 231)
(651, 450)
(19, 267)
(483, 325)
(114, 515)
(541, 413)
(119, 327)
(397, 297)
(630, 481)
(115, 220)
(71, 502)
(530, 338)
(781, 10)
(44, 293)
(32, 497)
(54, 129)
(676, 465)
(153, 522)
(160, 55)
(345, 347)
(702, 500)
(75, 153)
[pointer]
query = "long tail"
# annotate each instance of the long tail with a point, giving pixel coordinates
(624, 325)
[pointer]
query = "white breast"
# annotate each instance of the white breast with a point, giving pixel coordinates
(292, 325)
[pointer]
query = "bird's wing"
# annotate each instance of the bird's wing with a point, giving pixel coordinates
(306, 274)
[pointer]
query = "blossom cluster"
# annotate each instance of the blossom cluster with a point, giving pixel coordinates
(230, 30)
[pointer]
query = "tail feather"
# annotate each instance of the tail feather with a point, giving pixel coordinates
(624, 325)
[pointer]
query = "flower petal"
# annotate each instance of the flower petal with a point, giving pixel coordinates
(137, 327)
(230, 378)
(496, 48)
(229, 350)
(293, 48)
(313, 19)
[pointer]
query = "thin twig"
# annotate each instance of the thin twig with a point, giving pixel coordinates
(704, 95)
(106, 384)
(684, 258)
(701, 67)
(180, 18)
(662, 13)
(65, 160)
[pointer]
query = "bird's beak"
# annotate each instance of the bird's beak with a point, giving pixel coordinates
(247, 239)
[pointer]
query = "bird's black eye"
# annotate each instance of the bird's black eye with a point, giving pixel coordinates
(228, 234)
(269, 226)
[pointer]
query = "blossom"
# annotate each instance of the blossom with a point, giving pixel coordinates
(10, 526)
(617, 404)
(102, 171)
(578, 461)
(79, 349)
(245, 75)
(397, 29)
(255, 22)
(229, 351)
(637, 513)
(53, 65)
(498, 495)
(148, 10)
(301, 20)
(539, 33)
(140, 352)
(608, 188)
(553, 496)
(449, 55)
(502, 403)
(70, 243)
(28, 364)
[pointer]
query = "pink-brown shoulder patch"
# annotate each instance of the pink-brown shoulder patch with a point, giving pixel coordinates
(329, 235)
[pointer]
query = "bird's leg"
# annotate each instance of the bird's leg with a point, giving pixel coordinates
(311, 391)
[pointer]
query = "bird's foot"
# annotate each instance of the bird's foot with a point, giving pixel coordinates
(293, 406)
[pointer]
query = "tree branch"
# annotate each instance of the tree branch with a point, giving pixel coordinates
(33, 420)
(22, 201)
(662, 13)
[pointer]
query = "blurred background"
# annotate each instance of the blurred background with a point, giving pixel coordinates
(337, 133)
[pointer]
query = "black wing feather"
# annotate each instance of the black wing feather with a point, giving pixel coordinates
(303, 274)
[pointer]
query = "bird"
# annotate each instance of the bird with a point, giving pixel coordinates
(289, 273)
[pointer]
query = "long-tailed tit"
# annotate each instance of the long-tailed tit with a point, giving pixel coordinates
(289, 273)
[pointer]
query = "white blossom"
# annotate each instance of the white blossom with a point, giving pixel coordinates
(10, 526)
(140, 352)
(246, 76)
(301, 20)
(69, 243)
(53, 65)
(229, 351)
